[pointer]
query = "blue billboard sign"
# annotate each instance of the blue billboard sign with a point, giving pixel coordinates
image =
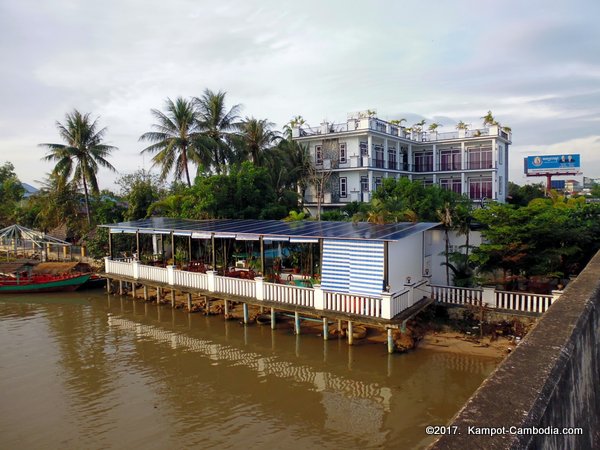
(568, 163)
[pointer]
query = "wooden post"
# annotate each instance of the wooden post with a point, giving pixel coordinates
(325, 329)
(145, 292)
(189, 248)
(157, 295)
(339, 327)
(137, 245)
(245, 306)
(108, 285)
(262, 256)
(172, 298)
(390, 341)
(173, 247)
(207, 312)
(226, 303)
(120, 287)
(133, 290)
(110, 244)
(350, 337)
(296, 322)
(189, 301)
(273, 320)
(213, 251)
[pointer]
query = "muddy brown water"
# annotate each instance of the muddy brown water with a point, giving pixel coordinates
(87, 370)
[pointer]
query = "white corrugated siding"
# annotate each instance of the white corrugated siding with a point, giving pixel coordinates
(354, 267)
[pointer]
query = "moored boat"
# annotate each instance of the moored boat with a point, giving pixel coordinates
(42, 283)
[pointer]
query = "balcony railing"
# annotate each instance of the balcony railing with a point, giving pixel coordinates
(386, 306)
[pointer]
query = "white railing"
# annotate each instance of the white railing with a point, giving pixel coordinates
(292, 295)
(523, 301)
(456, 295)
(353, 304)
(191, 279)
(119, 268)
(152, 273)
(235, 286)
(400, 301)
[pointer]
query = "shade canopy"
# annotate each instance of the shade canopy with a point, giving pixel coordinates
(16, 233)
(272, 229)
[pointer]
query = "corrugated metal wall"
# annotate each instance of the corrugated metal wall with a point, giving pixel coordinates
(354, 267)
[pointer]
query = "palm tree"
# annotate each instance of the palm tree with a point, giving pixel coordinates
(488, 119)
(462, 126)
(434, 126)
(217, 123)
(81, 156)
(256, 136)
(397, 121)
(295, 122)
(176, 139)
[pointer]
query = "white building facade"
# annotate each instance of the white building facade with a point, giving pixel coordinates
(363, 151)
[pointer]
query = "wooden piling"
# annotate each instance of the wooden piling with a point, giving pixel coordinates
(350, 333)
(108, 285)
(245, 307)
(157, 295)
(172, 298)
(226, 304)
(296, 322)
(145, 293)
(207, 312)
(390, 341)
(325, 329)
(189, 302)
(120, 287)
(273, 320)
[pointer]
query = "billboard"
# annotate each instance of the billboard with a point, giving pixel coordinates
(568, 163)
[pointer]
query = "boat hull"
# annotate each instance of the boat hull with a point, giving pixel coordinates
(62, 284)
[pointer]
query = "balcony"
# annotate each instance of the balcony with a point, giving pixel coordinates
(259, 291)
(450, 166)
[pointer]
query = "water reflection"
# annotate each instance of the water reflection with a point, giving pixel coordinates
(126, 374)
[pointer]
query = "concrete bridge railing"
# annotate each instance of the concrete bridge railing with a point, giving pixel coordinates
(546, 394)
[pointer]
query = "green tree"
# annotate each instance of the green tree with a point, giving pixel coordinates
(140, 190)
(82, 155)
(11, 192)
(217, 123)
(176, 139)
(522, 195)
(256, 136)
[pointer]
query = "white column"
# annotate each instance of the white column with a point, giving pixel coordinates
(319, 297)
(171, 275)
(436, 166)
(211, 280)
(489, 297)
(463, 152)
(385, 154)
(260, 288)
(386, 305)
(136, 269)
(106, 260)
(410, 159)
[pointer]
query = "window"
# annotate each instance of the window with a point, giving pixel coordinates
(450, 159)
(392, 158)
(379, 156)
(377, 183)
(364, 149)
(480, 157)
(364, 184)
(343, 152)
(500, 184)
(343, 187)
(500, 154)
(452, 184)
(319, 154)
(480, 188)
(424, 162)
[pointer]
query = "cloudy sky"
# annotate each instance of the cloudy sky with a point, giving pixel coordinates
(535, 64)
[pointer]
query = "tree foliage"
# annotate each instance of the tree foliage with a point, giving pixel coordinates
(11, 192)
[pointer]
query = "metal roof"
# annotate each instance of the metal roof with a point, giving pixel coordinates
(272, 228)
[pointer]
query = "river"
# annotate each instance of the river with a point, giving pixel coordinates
(87, 370)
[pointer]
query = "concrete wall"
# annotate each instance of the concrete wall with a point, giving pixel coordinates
(552, 379)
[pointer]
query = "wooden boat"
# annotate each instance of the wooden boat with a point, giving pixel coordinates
(42, 283)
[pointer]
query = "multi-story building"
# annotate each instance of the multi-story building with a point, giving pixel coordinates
(359, 154)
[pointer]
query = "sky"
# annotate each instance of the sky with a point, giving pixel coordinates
(534, 64)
